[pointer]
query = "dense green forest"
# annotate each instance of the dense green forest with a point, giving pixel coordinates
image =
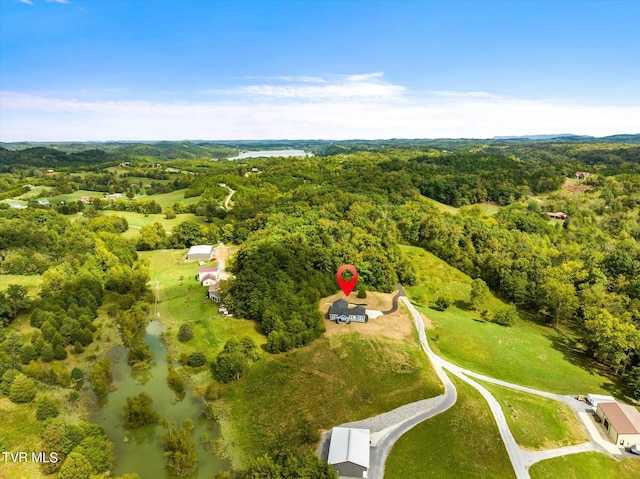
(296, 220)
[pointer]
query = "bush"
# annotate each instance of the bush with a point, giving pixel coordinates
(197, 359)
(22, 390)
(506, 316)
(175, 381)
(59, 352)
(362, 292)
(138, 411)
(443, 302)
(28, 353)
(47, 408)
(185, 333)
(7, 380)
(77, 374)
(47, 353)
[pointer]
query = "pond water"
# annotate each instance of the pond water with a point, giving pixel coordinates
(141, 450)
(270, 154)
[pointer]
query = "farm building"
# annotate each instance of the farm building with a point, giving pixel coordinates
(209, 279)
(342, 313)
(201, 251)
(213, 293)
(621, 421)
(349, 451)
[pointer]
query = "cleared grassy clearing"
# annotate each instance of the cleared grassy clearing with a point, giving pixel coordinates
(527, 353)
(75, 196)
(31, 282)
(461, 442)
(138, 220)
(33, 192)
(287, 399)
(20, 432)
(488, 208)
(169, 199)
(587, 465)
(537, 422)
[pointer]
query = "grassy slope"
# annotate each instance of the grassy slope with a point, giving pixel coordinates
(287, 398)
(488, 208)
(461, 442)
(536, 422)
(169, 199)
(528, 353)
(138, 220)
(31, 282)
(587, 465)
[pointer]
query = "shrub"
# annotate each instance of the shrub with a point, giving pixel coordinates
(47, 408)
(28, 353)
(197, 359)
(77, 374)
(362, 292)
(442, 302)
(22, 389)
(185, 333)
(506, 316)
(175, 381)
(138, 411)
(59, 352)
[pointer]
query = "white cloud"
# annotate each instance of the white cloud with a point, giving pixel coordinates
(334, 110)
(57, 1)
(26, 2)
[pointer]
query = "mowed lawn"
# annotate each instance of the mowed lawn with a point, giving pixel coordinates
(537, 422)
(527, 353)
(586, 465)
(462, 442)
(75, 196)
(288, 398)
(171, 198)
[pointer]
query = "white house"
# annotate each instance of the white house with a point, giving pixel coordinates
(349, 451)
(210, 271)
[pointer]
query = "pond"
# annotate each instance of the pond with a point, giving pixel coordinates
(141, 450)
(270, 154)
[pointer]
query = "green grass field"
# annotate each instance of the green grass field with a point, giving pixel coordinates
(169, 199)
(286, 399)
(461, 442)
(31, 282)
(33, 192)
(138, 220)
(537, 422)
(75, 196)
(587, 465)
(488, 208)
(527, 353)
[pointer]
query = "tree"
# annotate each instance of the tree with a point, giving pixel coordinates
(99, 452)
(479, 293)
(559, 300)
(76, 466)
(138, 411)
(46, 354)
(506, 316)
(634, 381)
(28, 353)
(185, 333)
(180, 453)
(152, 237)
(46, 408)
(197, 359)
(443, 301)
(59, 352)
(22, 390)
(612, 338)
(101, 377)
(362, 292)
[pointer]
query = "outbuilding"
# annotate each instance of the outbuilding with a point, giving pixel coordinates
(201, 251)
(621, 421)
(349, 451)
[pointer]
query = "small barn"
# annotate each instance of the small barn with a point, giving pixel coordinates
(209, 280)
(213, 293)
(621, 421)
(201, 251)
(340, 312)
(349, 451)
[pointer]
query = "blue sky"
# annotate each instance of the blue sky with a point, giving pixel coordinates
(200, 69)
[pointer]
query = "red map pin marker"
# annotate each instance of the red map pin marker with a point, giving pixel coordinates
(347, 286)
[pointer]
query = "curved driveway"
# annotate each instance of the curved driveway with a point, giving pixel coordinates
(387, 428)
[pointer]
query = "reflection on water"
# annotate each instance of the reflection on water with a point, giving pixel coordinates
(140, 450)
(270, 154)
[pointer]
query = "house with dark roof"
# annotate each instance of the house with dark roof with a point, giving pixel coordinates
(621, 421)
(340, 312)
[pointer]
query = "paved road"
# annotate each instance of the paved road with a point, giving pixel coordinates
(394, 304)
(387, 428)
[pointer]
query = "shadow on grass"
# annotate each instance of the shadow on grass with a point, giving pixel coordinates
(565, 344)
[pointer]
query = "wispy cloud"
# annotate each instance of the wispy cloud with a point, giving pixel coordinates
(334, 87)
(338, 107)
(26, 2)
(57, 1)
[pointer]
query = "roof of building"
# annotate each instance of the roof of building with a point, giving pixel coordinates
(213, 287)
(201, 249)
(340, 306)
(625, 419)
(349, 445)
(208, 276)
(208, 269)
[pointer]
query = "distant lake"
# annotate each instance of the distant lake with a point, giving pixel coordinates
(270, 154)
